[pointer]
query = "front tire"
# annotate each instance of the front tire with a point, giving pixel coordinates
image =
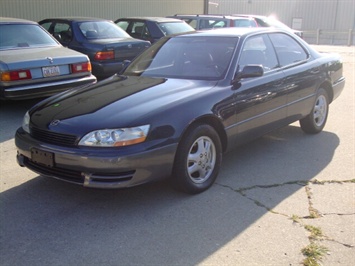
(315, 121)
(197, 160)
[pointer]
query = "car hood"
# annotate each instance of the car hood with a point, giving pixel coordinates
(39, 57)
(116, 102)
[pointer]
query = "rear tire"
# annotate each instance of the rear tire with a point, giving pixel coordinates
(197, 160)
(315, 121)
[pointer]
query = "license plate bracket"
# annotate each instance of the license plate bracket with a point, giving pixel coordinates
(50, 71)
(42, 157)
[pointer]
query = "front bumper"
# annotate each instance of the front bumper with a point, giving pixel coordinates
(96, 167)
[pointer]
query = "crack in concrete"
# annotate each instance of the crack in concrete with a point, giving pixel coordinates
(313, 212)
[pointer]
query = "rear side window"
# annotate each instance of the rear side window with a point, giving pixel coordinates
(63, 31)
(123, 24)
(192, 22)
(139, 30)
(288, 50)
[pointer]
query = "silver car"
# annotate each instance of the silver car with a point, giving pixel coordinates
(33, 64)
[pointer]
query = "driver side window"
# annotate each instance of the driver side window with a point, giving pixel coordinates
(258, 50)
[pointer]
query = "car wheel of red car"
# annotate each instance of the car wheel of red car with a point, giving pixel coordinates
(198, 160)
(315, 121)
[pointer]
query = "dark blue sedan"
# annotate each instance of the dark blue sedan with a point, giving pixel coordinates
(178, 107)
(152, 28)
(106, 44)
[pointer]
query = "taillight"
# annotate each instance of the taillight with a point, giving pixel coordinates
(16, 75)
(106, 55)
(82, 67)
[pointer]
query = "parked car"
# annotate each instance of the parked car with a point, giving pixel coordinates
(152, 28)
(33, 64)
(264, 21)
(200, 22)
(106, 44)
(174, 114)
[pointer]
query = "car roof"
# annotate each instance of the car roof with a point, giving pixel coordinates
(77, 19)
(251, 16)
(205, 16)
(155, 19)
(233, 32)
(5, 20)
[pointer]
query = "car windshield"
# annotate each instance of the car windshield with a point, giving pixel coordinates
(174, 27)
(244, 23)
(19, 36)
(193, 57)
(102, 30)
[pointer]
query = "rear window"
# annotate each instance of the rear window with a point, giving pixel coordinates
(174, 27)
(102, 30)
(20, 36)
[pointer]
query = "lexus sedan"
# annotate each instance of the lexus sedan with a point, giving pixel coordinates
(178, 107)
(152, 28)
(106, 44)
(34, 65)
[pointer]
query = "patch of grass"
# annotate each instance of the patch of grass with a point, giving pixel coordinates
(314, 254)
(295, 218)
(316, 232)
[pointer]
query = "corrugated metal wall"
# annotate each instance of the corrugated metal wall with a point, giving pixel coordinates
(334, 18)
(109, 9)
(325, 14)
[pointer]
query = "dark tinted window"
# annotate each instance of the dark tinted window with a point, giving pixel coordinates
(258, 50)
(63, 31)
(205, 58)
(288, 50)
(169, 28)
(101, 30)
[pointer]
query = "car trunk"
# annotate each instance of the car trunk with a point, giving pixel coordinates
(42, 62)
(125, 49)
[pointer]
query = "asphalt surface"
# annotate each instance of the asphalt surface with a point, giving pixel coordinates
(270, 199)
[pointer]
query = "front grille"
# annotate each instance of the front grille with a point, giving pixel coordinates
(53, 137)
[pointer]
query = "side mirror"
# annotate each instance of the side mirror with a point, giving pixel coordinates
(249, 71)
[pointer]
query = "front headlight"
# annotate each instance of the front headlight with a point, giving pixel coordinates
(115, 137)
(26, 122)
